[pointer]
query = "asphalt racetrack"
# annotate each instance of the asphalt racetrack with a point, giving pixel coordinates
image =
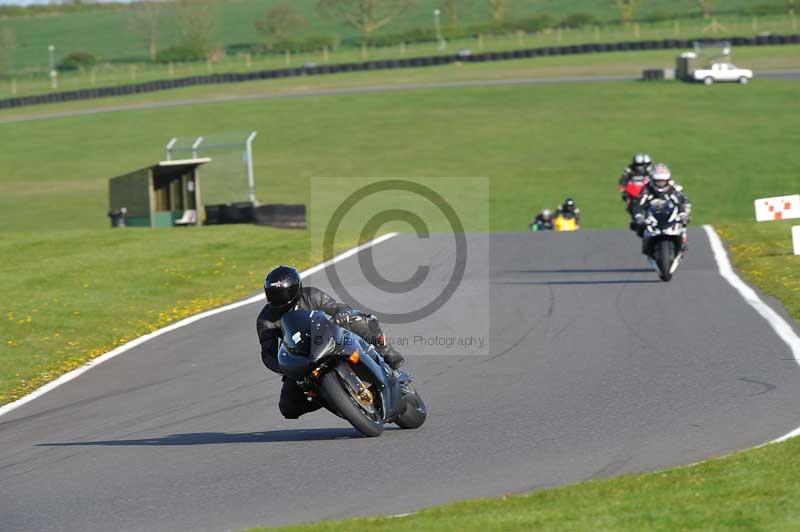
(590, 367)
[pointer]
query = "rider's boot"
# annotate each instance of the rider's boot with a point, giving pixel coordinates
(389, 353)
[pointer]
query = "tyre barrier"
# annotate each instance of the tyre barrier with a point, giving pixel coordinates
(284, 216)
(655, 74)
(386, 64)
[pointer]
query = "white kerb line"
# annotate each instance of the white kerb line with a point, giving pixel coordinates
(783, 329)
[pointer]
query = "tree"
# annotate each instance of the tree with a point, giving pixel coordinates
(8, 45)
(627, 8)
(705, 7)
(279, 22)
(451, 10)
(144, 20)
(199, 23)
(367, 16)
(498, 8)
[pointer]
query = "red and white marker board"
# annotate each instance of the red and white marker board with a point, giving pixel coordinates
(779, 208)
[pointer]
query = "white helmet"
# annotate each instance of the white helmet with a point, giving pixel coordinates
(661, 177)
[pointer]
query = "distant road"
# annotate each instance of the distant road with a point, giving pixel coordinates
(773, 74)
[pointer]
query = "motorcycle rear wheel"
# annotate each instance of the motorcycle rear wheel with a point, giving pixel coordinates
(335, 392)
(665, 254)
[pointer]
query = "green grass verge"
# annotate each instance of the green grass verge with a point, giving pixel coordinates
(70, 296)
(762, 253)
(754, 490)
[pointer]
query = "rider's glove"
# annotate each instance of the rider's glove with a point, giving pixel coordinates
(684, 217)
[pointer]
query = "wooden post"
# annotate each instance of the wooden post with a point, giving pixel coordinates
(248, 60)
(93, 76)
(364, 53)
(558, 35)
(637, 30)
(480, 41)
(403, 48)
(288, 57)
(597, 33)
(325, 55)
(171, 70)
(520, 35)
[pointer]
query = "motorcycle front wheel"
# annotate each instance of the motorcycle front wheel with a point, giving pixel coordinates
(665, 254)
(415, 412)
(365, 418)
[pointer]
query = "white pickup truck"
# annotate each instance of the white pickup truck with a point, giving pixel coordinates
(723, 72)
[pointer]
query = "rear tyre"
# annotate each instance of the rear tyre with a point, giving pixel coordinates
(744, 80)
(665, 254)
(415, 413)
(336, 394)
(708, 81)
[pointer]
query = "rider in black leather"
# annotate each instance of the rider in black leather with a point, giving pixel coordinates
(285, 292)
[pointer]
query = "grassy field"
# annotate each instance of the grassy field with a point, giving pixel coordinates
(522, 138)
(35, 80)
(106, 35)
(755, 490)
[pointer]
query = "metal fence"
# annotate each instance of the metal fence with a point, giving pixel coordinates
(385, 64)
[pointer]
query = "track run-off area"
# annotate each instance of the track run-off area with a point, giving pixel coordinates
(591, 367)
(36, 114)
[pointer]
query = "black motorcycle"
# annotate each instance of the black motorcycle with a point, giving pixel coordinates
(664, 233)
(346, 375)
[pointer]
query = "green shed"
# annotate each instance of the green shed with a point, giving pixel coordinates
(164, 195)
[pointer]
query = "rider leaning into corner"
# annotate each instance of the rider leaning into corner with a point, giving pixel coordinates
(660, 187)
(285, 292)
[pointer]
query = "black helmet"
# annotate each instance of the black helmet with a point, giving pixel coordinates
(569, 205)
(282, 287)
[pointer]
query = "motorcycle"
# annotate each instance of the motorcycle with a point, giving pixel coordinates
(346, 375)
(632, 190)
(664, 235)
(537, 226)
(565, 223)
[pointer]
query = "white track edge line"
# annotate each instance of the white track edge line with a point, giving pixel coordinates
(778, 324)
(63, 379)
